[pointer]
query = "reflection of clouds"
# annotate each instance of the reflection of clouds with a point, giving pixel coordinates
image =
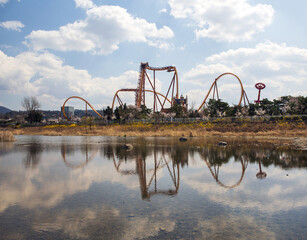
(47, 185)
(104, 222)
(233, 227)
(277, 193)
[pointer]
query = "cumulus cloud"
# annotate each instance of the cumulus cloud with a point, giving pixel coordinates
(12, 25)
(228, 20)
(46, 76)
(282, 68)
(104, 28)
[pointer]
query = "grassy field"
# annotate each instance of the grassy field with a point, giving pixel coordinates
(279, 129)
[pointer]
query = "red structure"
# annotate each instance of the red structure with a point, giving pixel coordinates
(259, 86)
(159, 100)
(164, 101)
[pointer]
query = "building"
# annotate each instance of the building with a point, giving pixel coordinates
(181, 102)
(69, 111)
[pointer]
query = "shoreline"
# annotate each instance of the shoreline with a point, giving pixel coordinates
(294, 136)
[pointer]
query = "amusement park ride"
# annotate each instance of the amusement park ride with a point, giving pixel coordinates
(163, 102)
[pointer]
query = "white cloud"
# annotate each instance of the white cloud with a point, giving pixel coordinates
(12, 25)
(281, 68)
(47, 77)
(2, 2)
(101, 32)
(86, 4)
(228, 20)
(163, 10)
(52, 189)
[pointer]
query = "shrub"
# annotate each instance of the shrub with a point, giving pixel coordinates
(6, 136)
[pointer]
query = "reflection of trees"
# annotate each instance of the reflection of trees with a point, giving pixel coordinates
(218, 156)
(147, 170)
(284, 157)
(33, 156)
(67, 150)
(180, 154)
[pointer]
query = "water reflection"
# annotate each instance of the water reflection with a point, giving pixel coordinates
(100, 196)
(67, 152)
(33, 156)
(216, 168)
(147, 171)
(146, 161)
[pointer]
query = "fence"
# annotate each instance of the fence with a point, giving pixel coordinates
(255, 119)
(259, 119)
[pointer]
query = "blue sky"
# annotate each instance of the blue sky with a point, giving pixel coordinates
(55, 49)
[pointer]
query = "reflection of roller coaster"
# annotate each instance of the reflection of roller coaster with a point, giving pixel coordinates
(80, 165)
(215, 173)
(161, 101)
(141, 170)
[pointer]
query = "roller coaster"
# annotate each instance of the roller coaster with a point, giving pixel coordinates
(161, 102)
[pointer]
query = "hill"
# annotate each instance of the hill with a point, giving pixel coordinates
(4, 110)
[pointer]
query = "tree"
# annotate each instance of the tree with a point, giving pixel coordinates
(216, 108)
(108, 112)
(88, 121)
(32, 105)
(178, 110)
(142, 113)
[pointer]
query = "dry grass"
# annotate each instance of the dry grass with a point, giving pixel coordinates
(6, 136)
(188, 130)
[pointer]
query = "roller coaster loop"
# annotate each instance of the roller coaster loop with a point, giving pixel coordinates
(214, 85)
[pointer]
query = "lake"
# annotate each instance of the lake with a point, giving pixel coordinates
(93, 188)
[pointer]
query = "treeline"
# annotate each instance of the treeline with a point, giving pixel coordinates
(286, 105)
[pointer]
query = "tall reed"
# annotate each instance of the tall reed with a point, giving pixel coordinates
(6, 136)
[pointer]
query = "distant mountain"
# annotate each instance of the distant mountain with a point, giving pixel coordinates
(4, 110)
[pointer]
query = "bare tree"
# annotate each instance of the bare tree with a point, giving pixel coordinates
(30, 104)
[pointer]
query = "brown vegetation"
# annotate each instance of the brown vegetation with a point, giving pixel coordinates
(188, 130)
(6, 136)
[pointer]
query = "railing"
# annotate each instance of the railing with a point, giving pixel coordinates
(170, 120)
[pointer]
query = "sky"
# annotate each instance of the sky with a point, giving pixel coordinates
(55, 49)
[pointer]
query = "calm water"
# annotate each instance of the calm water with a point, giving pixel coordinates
(91, 188)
